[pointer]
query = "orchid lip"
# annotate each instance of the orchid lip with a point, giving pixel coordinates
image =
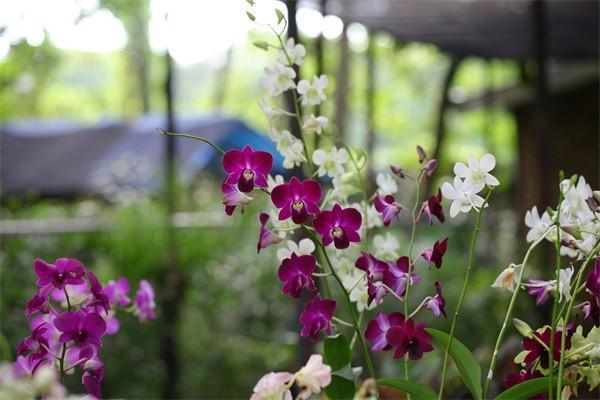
(337, 232)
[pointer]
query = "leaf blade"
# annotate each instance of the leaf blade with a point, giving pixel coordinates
(530, 388)
(418, 390)
(337, 352)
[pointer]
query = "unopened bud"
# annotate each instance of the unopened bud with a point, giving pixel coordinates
(430, 167)
(596, 195)
(522, 327)
(399, 172)
(571, 230)
(422, 154)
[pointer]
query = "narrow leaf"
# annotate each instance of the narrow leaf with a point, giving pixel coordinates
(280, 16)
(530, 388)
(262, 45)
(467, 365)
(340, 388)
(251, 16)
(337, 352)
(417, 390)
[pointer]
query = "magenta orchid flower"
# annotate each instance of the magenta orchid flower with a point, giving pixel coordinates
(233, 197)
(66, 271)
(410, 338)
(338, 225)
(296, 273)
(592, 282)
(297, 199)
(36, 346)
(266, 237)
(436, 254)
(247, 168)
(84, 329)
(373, 266)
(317, 316)
(377, 329)
(144, 301)
(537, 351)
(93, 373)
(436, 303)
(396, 276)
(117, 292)
(387, 207)
(433, 208)
(97, 296)
(38, 303)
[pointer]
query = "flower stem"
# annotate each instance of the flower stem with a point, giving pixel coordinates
(185, 135)
(64, 347)
(554, 319)
(508, 315)
(563, 332)
(463, 292)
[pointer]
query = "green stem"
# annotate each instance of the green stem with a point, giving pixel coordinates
(508, 315)
(185, 135)
(563, 332)
(64, 347)
(555, 302)
(463, 292)
(411, 262)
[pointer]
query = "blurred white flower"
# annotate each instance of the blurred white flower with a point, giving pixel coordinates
(272, 386)
(295, 52)
(564, 283)
(386, 247)
(270, 112)
(462, 196)
(314, 124)
(344, 186)
(508, 278)
(330, 163)
(274, 181)
(313, 93)
(304, 247)
(290, 147)
(386, 183)
(313, 376)
(359, 294)
(477, 173)
(278, 79)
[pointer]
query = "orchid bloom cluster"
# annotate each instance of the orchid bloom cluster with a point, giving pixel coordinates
(68, 318)
(574, 228)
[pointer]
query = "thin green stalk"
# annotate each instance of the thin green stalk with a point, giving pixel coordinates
(64, 347)
(563, 332)
(185, 135)
(511, 305)
(411, 263)
(555, 303)
(463, 292)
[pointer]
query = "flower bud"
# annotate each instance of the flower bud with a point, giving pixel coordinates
(571, 230)
(522, 327)
(422, 154)
(399, 172)
(596, 195)
(430, 167)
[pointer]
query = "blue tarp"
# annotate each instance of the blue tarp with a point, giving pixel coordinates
(60, 158)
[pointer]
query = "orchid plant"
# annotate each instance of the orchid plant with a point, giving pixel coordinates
(68, 317)
(330, 210)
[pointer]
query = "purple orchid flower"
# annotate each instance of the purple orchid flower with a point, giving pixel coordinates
(375, 290)
(233, 197)
(437, 303)
(522, 376)
(266, 237)
(540, 289)
(296, 273)
(84, 329)
(247, 168)
(144, 301)
(317, 316)
(97, 296)
(373, 266)
(338, 225)
(387, 207)
(297, 199)
(537, 351)
(592, 282)
(396, 276)
(66, 271)
(436, 254)
(117, 291)
(377, 329)
(433, 208)
(38, 303)
(410, 338)
(36, 345)
(93, 372)
(429, 167)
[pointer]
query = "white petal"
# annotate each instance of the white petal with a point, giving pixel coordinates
(448, 191)
(455, 208)
(491, 180)
(303, 86)
(487, 162)
(319, 157)
(461, 170)
(342, 155)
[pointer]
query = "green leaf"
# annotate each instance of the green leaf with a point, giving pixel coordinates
(280, 16)
(262, 45)
(251, 2)
(467, 365)
(337, 352)
(530, 388)
(418, 390)
(340, 388)
(251, 16)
